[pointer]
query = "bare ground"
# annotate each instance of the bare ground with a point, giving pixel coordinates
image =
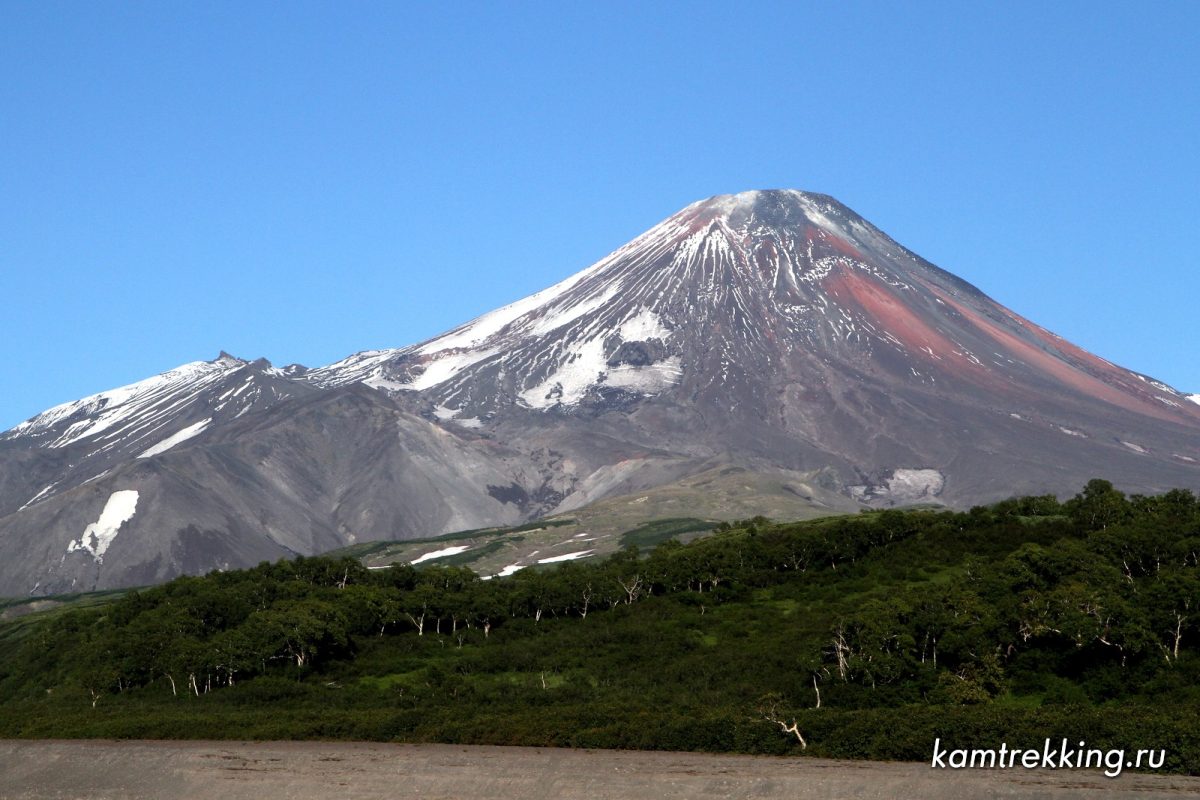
(346, 771)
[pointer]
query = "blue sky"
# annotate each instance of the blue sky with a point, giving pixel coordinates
(301, 181)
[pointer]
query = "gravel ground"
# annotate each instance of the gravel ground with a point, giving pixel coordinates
(300, 770)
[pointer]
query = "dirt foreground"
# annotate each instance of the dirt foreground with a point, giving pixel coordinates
(346, 771)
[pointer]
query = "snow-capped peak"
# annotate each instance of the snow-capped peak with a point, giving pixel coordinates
(94, 414)
(148, 418)
(581, 336)
(729, 286)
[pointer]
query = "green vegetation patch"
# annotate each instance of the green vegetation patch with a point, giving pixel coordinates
(874, 634)
(475, 534)
(651, 534)
(366, 550)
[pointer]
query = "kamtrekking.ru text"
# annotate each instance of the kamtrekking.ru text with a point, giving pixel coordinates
(1051, 756)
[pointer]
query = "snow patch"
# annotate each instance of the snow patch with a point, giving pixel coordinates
(509, 570)
(579, 371)
(377, 381)
(566, 557)
(358, 367)
(443, 368)
(648, 378)
(915, 483)
(443, 413)
(558, 318)
(38, 496)
(727, 204)
(1137, 448)
(1195, 398)
(154, 397)
(100, 534)
(1070, 432)
(642, 326)
(482, 328)
(815, 213)
(176, 438)
(449, 551)
(586, 366)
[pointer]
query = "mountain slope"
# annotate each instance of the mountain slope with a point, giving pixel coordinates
(679, 509)
(328, 469)
(767, 331)
(78, 442)
(780, 325)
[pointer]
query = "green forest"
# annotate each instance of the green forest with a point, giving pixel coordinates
(865, 636)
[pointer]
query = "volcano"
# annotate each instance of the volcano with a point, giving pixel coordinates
(780, 325)
(769, 331)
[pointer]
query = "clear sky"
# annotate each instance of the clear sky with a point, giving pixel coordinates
(301, 181)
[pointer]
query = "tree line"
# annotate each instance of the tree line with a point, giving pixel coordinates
(1029, 603)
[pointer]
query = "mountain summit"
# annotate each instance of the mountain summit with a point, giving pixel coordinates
(771, 331)
(781, 324)
(758, 286)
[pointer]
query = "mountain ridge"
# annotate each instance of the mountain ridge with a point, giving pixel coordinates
(767, 330)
